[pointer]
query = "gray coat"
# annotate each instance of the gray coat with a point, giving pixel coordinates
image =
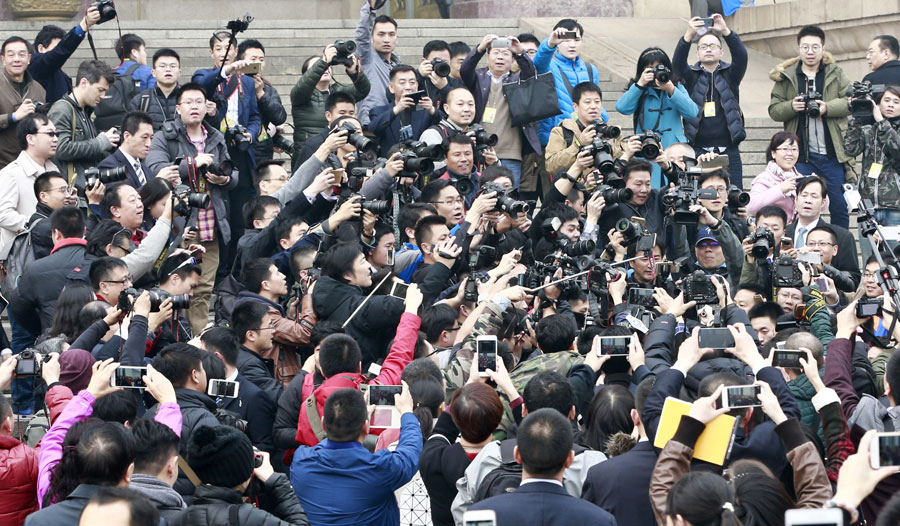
(377, 69)
(160, 157)
(82, 149)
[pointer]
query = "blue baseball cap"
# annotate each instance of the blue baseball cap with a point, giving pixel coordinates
(705, 233)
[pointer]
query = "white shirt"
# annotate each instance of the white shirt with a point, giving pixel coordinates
(17, 200)
(802, 231)
(134, 161)
(549, 481)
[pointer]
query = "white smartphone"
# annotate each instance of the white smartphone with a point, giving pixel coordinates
(385, 414)
(740, 396)
(813, 517)
(398, 289)
(614, 345)
(223, 388)
(129, 377)
(486, 349)
(884, 450)
(480, 518)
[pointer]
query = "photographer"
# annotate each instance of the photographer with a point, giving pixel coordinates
(159, 101)
(52, 48)
(202, 151)
(569, 136)
(271, 111)
(315, 87)
(179, 276)
(405, 118)
(879, 144)
(19, 95)
(431, 74)
(460, 111)
(808, 97)
(376, 40)
(645, 202)
(772, 219)
(137, 136)
(718, 250)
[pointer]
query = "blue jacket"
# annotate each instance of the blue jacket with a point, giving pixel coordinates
(248, 110)
(386, 126)
(46, 68)
(143, 73)
(341, 483)
(658, 105)
(575, 71)
(540, 503)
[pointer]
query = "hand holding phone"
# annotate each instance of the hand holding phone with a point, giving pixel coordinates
(486, 350)
(740, 396)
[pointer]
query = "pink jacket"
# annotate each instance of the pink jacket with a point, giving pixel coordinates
(79, 408)
(765, 190)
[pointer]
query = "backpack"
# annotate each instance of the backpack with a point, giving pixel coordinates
(18, 253)
(226, 296)
(37, 427)
(114, 106)
(505, 478)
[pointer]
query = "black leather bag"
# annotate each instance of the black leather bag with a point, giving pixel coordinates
(532, 99)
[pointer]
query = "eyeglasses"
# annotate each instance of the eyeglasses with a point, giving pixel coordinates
(63, 189)
(870, 275)
(707, 244)
(454, 329)
(167, 66)
(792, 149)
(50, 133)
(823, 244)
(451, 201)
(271, 327)
(711, 47)
(719, 189)
(127, 279)
(814, 48)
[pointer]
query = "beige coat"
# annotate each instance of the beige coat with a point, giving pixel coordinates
(17, 200)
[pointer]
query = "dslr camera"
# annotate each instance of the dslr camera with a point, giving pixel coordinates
(662, 74)
(787, 273)
(810, 99)
(698, 286)
(607, 131)
(687, 194)
(418, 157)
(505, 202)
(635, 234)
(763, 242)
(107, 10)
(441, 68)
(651, 144)
(737, 198)
(345, 48)
(235, 138)
(281, 142)
(601, 155)
(861, 96)
(868, 307)
(107, 176)
(483, 139)
(574, 249)
(179, 301)
(185, 199)
(363, 144)
(29, 362)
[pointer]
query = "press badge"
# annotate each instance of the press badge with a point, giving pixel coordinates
(406, 133)
(875, 170)
(489, 115)
(709, 109)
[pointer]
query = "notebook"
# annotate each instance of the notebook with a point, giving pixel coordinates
(715, 441)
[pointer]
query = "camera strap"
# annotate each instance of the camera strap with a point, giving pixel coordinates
(91, 39)
(396, 207)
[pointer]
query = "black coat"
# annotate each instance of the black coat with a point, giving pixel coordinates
(540, 503)
(260, 371)
(67, 511)
(40, 286)
(214, 506)
(254, 406)
(442, 462)
(846, 258)
(117, 158)
(158, 106)
(284, 431)
(373, 327)
(888, 74)
(41, 239)
(620, 484)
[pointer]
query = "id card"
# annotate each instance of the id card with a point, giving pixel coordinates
(875, 170)
(709, 109)
(489, 115)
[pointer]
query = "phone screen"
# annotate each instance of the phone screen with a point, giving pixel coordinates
(487, 355)
(130, 377)
(787, 242)
(222, 388)
(889, 450)
(398, 290)
(787, 358)
(716, 338)
(643, 297)
(390, 257)
(25, 367)
(569, 35)
(383, 394)
(743, 396)
(822, 283)
(614, 345)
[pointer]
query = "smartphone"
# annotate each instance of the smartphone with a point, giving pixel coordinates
(223, 388)
(500, 43)
(813, 258)
(716, 338)
(885, 450)
(788, 358)
(739, 396)
(813, 517)
(129, 377)
(486, 349)
(481, 518)
(416, 96)
(822, 283)
(643, 297)
(787, 243)
(390, 257)
(251, 68)
(569, 35)
(708, 22)
(398, 289)
(385, 414)
(338, 174)
(614, 345)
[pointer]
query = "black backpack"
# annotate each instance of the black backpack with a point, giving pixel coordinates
(114, 106)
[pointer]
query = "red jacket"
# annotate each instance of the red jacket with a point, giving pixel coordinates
(401, 354)
(18, 480)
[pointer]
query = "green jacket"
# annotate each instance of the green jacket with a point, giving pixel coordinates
(456, 374)
(879, 142)
(786, 88)
(879, 364)
(803, 391)
(80, 145)
(685, 239)
(308, 103)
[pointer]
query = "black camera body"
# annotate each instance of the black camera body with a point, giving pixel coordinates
(365, 146)
(810, 99)
(345, 49)
(480, 257)
(239, 25)
(179, 301)
(441, 68)
(868, 307)
(505, 202)
(698, 286)
(763, 242)
(607, 131)
(29, 362)
(635, 234)
(787, 273)
(861, 96)
(483, 139)
(651, 145)
(601, 155)
(573, 249)
(662, 74)
(413, 164)
(185, 199)
(93, 176)
(463, 185)
(224, 168)
(685, 195)
(281, 142)
(106, 8)
(737, 198)
(235, 138)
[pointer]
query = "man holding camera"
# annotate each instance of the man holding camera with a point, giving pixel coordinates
(80, 146)
(376, 39)
(18, 95)
(808, 97)
(52, 48)
(491, 108)
(408, 116)
(713, 85)
(571, 134)
(137, 136)
(271, 112)
(460, 111)
(205, 166)
(434, 72)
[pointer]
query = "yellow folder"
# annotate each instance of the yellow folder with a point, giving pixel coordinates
(714, 442)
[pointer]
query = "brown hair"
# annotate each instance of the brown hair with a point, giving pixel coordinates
(476, 410)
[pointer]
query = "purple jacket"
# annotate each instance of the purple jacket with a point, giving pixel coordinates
(81, 407)
(479, 83)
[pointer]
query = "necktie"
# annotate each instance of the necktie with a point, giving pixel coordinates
(139, 173)
(801, 237)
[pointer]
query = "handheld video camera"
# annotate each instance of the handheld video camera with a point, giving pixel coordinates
(862, 96)
(686, 194)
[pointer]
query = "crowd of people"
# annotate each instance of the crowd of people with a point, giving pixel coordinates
(454, 293)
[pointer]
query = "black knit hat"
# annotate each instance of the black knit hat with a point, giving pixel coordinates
(221, 456)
